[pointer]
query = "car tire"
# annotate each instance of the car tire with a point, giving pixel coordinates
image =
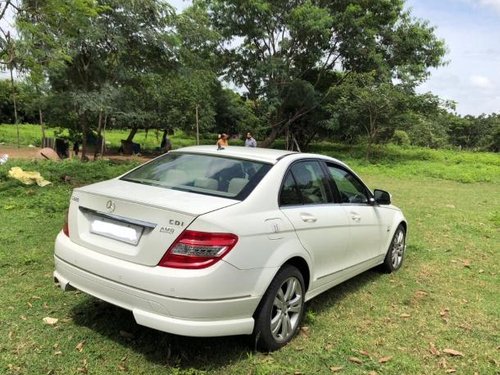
(278, 316)
(396, 252)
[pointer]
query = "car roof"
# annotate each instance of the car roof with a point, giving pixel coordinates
(266, 155)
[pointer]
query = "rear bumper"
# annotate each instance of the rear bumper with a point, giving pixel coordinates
(217, 301)
(154, 311)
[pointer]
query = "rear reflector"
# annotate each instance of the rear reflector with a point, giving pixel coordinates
(65, 228)
(194, 250)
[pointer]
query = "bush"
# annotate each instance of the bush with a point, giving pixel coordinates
(401, 138)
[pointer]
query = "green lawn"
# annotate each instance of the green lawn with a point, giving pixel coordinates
(444, 299)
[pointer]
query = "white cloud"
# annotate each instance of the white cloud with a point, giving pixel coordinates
(481, 82)
(495, 4)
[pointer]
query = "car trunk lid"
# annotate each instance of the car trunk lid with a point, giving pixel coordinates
(132, 221)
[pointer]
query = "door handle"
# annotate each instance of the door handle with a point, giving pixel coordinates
(308, 218)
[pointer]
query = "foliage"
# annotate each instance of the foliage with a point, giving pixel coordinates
(482, 132)
(276, 48)
(301, 71)
(401, 138)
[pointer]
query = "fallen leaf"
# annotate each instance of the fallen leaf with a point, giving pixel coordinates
(305, 330)
(122, 367)
(29, 305)
(450, 371)
(50, 321)
(433, 349)
(23, 317)
(453, 352)
(466, 263)
(364, 352)
(421, 293)
(355, 360)
(443, 363)
(80, 345)
(336, 368)
(58, 352)
(385, 359)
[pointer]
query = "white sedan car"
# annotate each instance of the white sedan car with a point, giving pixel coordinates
(207, 242)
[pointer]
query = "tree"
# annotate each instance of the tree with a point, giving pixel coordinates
(472, 132)
(364, 104)
(99, 44)
(271, 46)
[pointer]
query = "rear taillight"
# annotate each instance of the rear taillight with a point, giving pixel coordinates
(198, 249)
(65, 228)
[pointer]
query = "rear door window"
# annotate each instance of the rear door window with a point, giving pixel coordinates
(305, 183)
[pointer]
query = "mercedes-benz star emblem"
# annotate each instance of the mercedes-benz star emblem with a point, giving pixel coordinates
(110, 206)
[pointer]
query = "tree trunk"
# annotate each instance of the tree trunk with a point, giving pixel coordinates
(271, 137)
(83, 125)
(103, 138)
(99, 137)
(40, 117)
(132, 133)
(14, 101)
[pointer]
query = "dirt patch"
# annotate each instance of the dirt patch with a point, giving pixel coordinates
(31, 153)
(19, 153)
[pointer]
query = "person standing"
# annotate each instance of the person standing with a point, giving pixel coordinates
(250, 141)
(222, 142)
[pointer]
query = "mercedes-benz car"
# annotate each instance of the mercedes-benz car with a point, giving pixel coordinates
(214, 242)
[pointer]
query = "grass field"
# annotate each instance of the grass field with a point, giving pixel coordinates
(439, 314)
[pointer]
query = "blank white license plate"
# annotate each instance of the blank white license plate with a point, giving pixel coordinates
(116, 230)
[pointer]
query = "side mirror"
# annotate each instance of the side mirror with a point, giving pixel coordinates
(382, 196)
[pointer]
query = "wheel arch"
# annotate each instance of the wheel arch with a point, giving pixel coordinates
(301, 264)
(405, 225)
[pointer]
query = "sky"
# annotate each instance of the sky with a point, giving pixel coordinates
(471, 30)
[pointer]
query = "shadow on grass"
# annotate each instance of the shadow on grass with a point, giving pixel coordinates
(158, 347)
(188, 352)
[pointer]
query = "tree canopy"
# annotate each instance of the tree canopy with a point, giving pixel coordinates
(293, 69)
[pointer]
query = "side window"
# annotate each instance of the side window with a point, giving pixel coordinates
(350, 189)
(289, 194)
(310, 181)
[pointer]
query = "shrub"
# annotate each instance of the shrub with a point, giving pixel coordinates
(401, 138)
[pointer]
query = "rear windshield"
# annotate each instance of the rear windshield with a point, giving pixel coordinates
(203, 174)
